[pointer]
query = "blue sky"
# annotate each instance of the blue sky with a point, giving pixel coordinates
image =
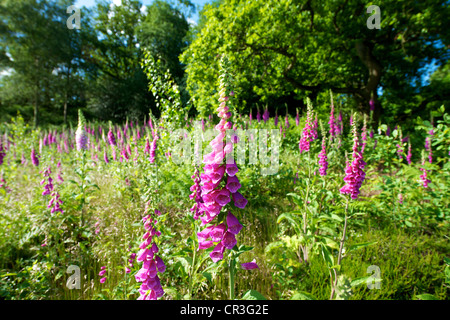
(90, 3)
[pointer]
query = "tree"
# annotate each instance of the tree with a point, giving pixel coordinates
(280, 47)
(118, 88)
(163, 32)
(40, 53)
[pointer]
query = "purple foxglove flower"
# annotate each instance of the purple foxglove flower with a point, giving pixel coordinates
(217, 232)
(400, 198)
(217, 174)
(229, 240)
(205, 233)
(217, 253)
(323, 163)
(266, 115)
(213, 197)
(239, 200)
(233, 184)
(210, 198)
(2, 153)
(354, 171)
(423, 177)
(204, 244)
(153, 149)
(331, 122)
(223, 197)
(213, 209)
(208, 187)
(34, 158)
(249, 265)
(307, 132)
(105, 157)
(409, 155)
(152, 269)
(111, 138)
(233, 223)
(160, 264)
(231, 169)
(142, 254)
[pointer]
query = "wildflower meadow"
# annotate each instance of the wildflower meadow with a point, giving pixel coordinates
(225, 197)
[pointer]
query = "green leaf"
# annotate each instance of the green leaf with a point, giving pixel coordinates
(287, 216)
(331, 243)
(362, 280)
(301, 295)
(336, 217)
(296, 198)
(447, 261)
(245, 248)
(327, 256)
(208, 276)
(357, 246)
(253, 295)
(9, 274)
(185, 263)
(273, 245)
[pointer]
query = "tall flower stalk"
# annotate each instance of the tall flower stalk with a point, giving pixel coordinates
(81, 138)
(332, 120)
(354, 177)
(220, 184)
(409, 155)
(323, 163)
(152, 264)
(423, 177)
(304, 145)
(307, 133)
(355, 170)
(2, 153)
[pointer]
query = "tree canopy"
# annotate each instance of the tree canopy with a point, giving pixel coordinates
(280, 48)
(281, 51)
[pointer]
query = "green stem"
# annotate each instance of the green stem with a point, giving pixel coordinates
(231, 276)
(193, 263)
(305, 224)
(83, 177)
(341, 246)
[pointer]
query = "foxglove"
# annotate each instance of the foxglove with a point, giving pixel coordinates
(214, 194)
(307, 135)
(354, 171)
(323, 163)
(80, 135)
(152, 264)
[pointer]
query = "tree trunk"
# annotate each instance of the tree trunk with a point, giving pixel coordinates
(364, 52)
